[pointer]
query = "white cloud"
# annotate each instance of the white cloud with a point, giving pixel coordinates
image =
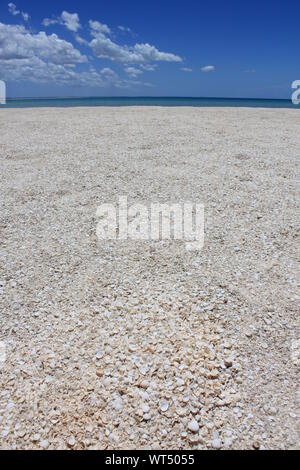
(15, 12)
(125, 29)
(150, 53)
(208, 68)
(186, 69)
(97, 27)
(70, 21)
(112, 78)
(133, 72)
(37, 70)
(41, 58)
(109, 73)
(81, 40)
(105, 48)
(16, 42)
(13, 9)
(49, 21)
(148, 67)
(25, 16)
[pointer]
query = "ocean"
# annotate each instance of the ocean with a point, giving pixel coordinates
(147, 101)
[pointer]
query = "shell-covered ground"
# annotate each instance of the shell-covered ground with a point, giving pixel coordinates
(143, 344)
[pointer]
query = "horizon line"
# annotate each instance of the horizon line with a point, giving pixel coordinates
(141, 97)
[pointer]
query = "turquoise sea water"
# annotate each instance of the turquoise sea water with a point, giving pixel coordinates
(146, 101)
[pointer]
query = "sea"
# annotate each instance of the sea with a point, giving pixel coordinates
(147, 101)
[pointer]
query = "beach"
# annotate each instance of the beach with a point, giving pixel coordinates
(126, 344)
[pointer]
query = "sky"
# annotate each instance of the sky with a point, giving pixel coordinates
(230, 48)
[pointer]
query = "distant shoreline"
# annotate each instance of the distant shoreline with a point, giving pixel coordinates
(148, 101)
(140, 97)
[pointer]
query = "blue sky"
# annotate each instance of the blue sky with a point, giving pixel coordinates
(223, 48)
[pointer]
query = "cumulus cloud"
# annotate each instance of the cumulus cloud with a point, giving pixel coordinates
(36, 70)
(109, 74)
(69, 20)
(112, 78)
(97, 27)
(133, 71)
(208, 68)
(13, 9)
(104, 48)
(125, 29)
(42, 57)
(148, 67)
(186, 69)
(15, 12)
(16, 42)
(81, 40)
(39, 71)
(49, 21)
(25, 16)
(150, 53)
